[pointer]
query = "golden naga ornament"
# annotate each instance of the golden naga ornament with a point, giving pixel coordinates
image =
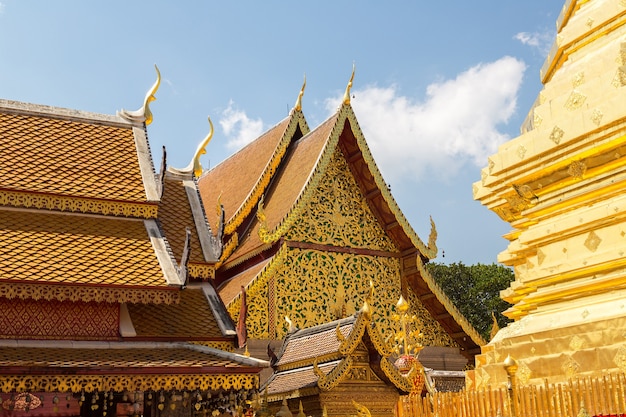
(143, 114)
(195, 166)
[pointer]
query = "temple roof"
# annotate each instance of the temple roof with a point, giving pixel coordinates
(69, 153)
(239, 182)
(198, 316)
(80, 206)
(49, 248)
(322, 356)
(103, 366)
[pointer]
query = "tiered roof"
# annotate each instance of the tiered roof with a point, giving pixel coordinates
(85, 219)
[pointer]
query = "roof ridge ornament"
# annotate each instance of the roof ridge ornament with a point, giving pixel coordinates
(143, 114)
(346, 95)
(195, 166)
(298, 105)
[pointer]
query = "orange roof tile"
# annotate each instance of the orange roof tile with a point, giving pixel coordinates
(115, 358)
(288, 184)
(175, 216)
(69, 158)
(192, 318)
(70, 249)
(239, 181)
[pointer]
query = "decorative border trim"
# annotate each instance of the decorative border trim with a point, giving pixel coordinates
(62, 292)
(334, 377)
(121, 382)
(78, 205)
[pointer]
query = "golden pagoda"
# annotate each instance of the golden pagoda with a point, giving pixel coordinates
(560, 185)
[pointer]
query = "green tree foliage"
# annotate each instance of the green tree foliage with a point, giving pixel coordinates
(475, 291)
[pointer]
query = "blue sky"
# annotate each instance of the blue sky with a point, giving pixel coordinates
(438, 85)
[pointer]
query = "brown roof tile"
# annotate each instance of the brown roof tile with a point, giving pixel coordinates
(69, 158)
(71, 249)
(232, 288)
(288, 183)
(235, 177)
(191, 319)
(314, 342)
(112, 359)
(296, 379)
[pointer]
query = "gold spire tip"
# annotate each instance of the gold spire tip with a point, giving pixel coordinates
(298, 105)
(150, 97)
(346, 95)
(197, 167)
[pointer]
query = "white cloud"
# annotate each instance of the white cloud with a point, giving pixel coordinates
(239, 128)
(457, 123)
(542, 41)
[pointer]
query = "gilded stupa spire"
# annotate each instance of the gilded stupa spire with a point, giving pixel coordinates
(346, 95)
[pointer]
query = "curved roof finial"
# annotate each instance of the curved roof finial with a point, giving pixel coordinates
(143, 114)
(195, 163)
(150, 97)
(346, 95)
(298, 105)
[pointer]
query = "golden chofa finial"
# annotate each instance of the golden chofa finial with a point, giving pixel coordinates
(195, 166)
(195, 163)
(150, 97)
(143, 114)
(298, 105)
(346, 95)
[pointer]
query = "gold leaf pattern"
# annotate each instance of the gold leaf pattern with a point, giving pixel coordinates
(523, 373)
(596, 117)
(592, 242)
(556, 135)
(337, 214)
(575, 100)
(620, 358)
(570, 367)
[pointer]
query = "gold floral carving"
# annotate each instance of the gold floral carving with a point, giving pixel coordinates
(579, 79)
(575, 100)
(523, 373)
(334, 377)
(537, 119)
(346, 113)
(308, 280)
(87, 293)
(395, 376)
(577, 169)
(576, 343)
(521, 151)
(90, 383)
(78, 205)
(297, 120)
(620, 77)
(337, 213)
(201, 271)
